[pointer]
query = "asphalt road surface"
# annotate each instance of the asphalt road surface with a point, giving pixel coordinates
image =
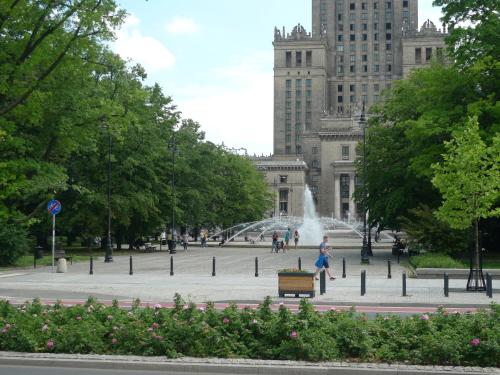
(32, 370)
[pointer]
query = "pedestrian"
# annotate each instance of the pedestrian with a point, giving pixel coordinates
(274, 247)
(185, 240)
(296, 237)
(287, 240)
(205, 238)
(322, 261)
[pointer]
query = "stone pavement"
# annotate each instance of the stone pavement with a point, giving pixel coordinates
(235, 279)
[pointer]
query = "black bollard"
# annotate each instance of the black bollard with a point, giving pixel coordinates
(131, 271)
(171, 265)
(322, 282)
(446, 284)
(398, 256)
(213, 266)
(363, 282)
(343, 268)
(389, 276)
(300, 263)
(91, 266)
(489, 285)
(256, 267)
(404, 284)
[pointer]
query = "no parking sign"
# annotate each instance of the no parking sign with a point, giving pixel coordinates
(53, 207)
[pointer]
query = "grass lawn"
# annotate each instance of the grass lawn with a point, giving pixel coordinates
(434, 260)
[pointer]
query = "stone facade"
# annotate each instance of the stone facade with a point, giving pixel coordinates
(285, 177)
(323, 78)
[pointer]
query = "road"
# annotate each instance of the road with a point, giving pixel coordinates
(34, 370)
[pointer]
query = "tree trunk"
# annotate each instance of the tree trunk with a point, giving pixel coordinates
(476, 255)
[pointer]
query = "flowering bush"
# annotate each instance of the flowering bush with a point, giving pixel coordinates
(438, 338)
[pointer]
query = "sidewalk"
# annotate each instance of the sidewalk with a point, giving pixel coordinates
(235, 279)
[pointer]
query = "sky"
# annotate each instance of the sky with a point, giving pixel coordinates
(215, 59)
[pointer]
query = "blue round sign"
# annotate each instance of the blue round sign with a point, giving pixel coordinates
(54, 207)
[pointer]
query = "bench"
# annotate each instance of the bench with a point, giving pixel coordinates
(61, 254)
(147, 247)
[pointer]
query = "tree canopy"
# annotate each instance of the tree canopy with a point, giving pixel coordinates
(68, 103)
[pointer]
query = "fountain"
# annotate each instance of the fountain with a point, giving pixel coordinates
(311, 231)
(311, 228)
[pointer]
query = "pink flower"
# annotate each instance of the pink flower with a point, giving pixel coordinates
(114, 341)
(157, 306)
(150, 329)
(225, 321)
(155, 325)
(50, 344)
(45, 327)
(294, 334)
(78, 317)
(475, 342)
(185, 307)
(424, 317)
(333, 309)
(202, 309)
(386, 318)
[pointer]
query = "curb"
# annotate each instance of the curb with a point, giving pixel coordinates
(226, 366)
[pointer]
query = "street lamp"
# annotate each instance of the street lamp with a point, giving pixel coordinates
(364, 248)
(173, 146)
(108, 257)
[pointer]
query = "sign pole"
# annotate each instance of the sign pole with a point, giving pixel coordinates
(53, 240)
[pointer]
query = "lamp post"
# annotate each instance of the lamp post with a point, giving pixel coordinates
(108, 257)
(364, 248)
(173, 145)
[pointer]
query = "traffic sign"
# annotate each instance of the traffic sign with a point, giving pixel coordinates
(54, 207)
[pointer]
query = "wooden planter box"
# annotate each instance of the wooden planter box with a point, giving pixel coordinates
(295, 283)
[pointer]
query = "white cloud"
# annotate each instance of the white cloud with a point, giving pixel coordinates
(238, 111)
(149, 52)
(182, 25)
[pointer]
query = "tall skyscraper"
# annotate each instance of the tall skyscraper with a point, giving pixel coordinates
(323, 78)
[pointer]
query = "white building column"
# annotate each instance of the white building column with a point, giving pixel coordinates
(352, 204)
(336, 184)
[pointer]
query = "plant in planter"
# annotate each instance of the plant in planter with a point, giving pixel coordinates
(296, 282)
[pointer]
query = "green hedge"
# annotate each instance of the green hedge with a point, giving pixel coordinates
(439, 338)
(436, 260)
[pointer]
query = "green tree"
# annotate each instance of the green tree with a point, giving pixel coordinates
(469, 181)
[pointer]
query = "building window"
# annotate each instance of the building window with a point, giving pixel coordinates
(340, 88)
(315, 163)
(376, 87)
(288, 127)
(315, 150)
(352, 98)
(364, 99)
(364, 16)
(365, 37)
(308, 58)
(388, 26)
(428, 54)
(364, 87)
(389, 68)
(288, 105)
(352, 16)
(375, 36)
(376, 68)
(418, 55)
(364, 6)
(406, 14)
(388, 36)
(364, 47)
(340, 38)
(288, 138)
(339, 17)
(375, 56)
(288, 150)
(345, 152)
(352, 27)
(353, 58)
(375, 26)
(352, 37)
(298, 149)
(365, 27)
(284, 200)
(352, 88)
(340, 69)
(375, 47)
(283, 178)
(352, 48)
(376, 98)
(340, 99)
(364, 58)
(308, 105)
(365, 68)
(388, 5)
(352, 69)
(340, 48)
(298, 127)
(288, 83)
(405, 3)
(341, 58)
(388, 46)
(288, 55)
(352, 6)
(375, 5)
(288, 94)
(298, 59)
(344, 185)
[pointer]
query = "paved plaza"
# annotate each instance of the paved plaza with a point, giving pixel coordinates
(235, 279)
